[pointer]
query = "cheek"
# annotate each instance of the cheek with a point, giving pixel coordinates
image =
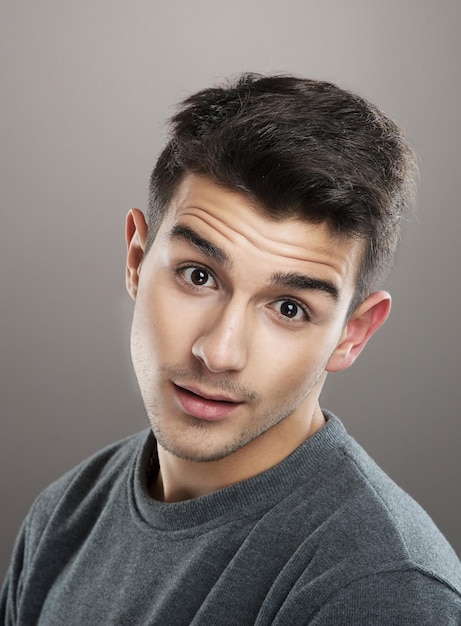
(293, 365)
(161, 327)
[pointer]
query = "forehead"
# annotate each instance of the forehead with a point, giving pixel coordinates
(242, 229)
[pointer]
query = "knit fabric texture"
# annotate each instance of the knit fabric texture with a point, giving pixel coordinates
(323, 538)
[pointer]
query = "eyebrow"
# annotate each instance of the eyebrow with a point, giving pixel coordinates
(290, 280)
(301, 281)
(204, 246)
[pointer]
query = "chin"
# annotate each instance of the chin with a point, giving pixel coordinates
(203, 448)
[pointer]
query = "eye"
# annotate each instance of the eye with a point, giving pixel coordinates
(198, 277)
(291, 310)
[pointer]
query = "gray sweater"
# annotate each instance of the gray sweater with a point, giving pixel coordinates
(323, 538)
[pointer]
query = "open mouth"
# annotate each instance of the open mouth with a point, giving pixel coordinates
(211, 408)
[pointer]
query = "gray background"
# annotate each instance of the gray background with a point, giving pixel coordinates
(85, 89)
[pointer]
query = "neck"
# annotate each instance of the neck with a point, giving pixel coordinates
(181, 479)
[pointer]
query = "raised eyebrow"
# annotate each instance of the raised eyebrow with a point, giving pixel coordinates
(301, 281)
(206, 247)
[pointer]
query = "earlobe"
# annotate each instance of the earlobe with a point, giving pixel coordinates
(364, 322)
(136, 240)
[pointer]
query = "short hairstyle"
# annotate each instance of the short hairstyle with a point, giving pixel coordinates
(298, 148)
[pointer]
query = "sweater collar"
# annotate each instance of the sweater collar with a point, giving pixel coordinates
(247, 498)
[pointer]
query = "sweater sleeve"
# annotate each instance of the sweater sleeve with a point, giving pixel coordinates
(12, 585)
(26, 543)
(385, 599)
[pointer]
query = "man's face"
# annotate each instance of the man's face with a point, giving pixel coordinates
(237, 318)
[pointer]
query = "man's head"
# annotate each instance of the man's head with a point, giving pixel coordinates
(297, 148)
(274, 212)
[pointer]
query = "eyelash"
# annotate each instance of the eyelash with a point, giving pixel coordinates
(305, 312)
(180, 273)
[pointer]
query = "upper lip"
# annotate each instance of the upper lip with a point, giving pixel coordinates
(217, 397)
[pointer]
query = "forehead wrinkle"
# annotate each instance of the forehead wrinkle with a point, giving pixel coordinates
(203, 245)
(248, 234)
(282, 248)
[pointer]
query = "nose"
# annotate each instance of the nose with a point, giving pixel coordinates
(222, 344)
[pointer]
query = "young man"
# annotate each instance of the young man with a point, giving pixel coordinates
(274, 216)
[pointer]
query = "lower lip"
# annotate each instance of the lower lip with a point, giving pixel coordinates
(210, 410)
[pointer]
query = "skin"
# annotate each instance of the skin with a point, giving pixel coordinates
(238, 319)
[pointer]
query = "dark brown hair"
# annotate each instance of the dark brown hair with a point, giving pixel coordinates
(299, 148)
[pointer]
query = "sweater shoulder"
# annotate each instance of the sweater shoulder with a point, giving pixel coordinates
(392, 519)
(90, 480)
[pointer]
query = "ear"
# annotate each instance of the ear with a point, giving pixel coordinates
(136, 240)
(365, 320)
